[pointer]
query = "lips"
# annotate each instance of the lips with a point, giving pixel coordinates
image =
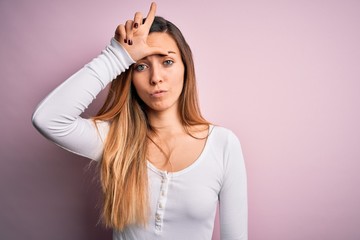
(158, 93)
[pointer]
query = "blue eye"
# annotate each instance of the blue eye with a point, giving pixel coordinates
(140, 67)
(168, 62)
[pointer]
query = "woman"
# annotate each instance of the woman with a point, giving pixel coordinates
(163, 166)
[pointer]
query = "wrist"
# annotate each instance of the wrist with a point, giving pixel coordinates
(115, 44)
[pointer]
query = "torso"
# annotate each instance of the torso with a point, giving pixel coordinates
(181, 150)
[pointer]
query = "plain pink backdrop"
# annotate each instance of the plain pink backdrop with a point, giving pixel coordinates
(283, 75)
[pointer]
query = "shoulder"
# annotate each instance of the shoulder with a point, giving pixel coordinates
(225, 143)
(228, 149)
(222, 135)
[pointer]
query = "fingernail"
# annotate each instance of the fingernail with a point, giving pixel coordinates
(125, 41)
(130, 42)
(136, 25)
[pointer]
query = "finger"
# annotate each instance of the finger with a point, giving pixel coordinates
(117, 33)
(120, 34)
(128, 29)
(151, 15)
(138, 19)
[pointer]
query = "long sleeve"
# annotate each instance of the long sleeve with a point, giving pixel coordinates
(57, 117)
(233, 195)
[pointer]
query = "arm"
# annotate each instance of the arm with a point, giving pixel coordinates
(57, 117)
(233, 194)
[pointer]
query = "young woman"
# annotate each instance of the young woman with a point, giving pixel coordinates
(163, 167)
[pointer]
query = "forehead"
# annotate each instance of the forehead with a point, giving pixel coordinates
(163, 40)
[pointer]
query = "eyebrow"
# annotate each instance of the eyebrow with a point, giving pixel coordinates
(160, 54)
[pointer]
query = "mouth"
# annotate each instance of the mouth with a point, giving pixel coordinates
(158, 93)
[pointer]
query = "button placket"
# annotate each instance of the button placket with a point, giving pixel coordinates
(160, 210)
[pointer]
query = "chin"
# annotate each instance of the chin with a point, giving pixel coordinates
(161, 107)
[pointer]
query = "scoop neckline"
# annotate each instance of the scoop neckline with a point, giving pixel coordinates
(188, 168)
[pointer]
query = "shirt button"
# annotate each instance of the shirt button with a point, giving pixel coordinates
(162, 193)
(158, 218)
(160, 205)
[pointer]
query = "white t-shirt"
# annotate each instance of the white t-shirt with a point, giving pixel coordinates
(183, 204)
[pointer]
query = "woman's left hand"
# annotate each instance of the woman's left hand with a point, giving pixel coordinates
(133, 35)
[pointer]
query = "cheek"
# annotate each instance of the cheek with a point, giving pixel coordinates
(139, 91)
(181, 83)
(138, 83)
(182, 79)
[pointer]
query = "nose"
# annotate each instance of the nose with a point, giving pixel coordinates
(156, 76)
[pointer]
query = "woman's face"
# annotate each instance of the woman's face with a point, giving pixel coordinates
(158, 79)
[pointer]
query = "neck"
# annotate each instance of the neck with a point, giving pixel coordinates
(166, 123)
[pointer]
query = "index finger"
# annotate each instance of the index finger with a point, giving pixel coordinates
(151, 15)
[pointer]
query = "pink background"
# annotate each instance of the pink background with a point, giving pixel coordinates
(283, 75)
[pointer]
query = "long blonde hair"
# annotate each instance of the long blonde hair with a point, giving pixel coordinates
(123, 169)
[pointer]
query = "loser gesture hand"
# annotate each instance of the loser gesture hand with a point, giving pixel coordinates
(133, 35)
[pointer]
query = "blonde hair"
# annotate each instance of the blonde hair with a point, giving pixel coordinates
(123, 169)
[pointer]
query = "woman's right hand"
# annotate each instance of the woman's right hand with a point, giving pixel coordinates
(133, 35)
